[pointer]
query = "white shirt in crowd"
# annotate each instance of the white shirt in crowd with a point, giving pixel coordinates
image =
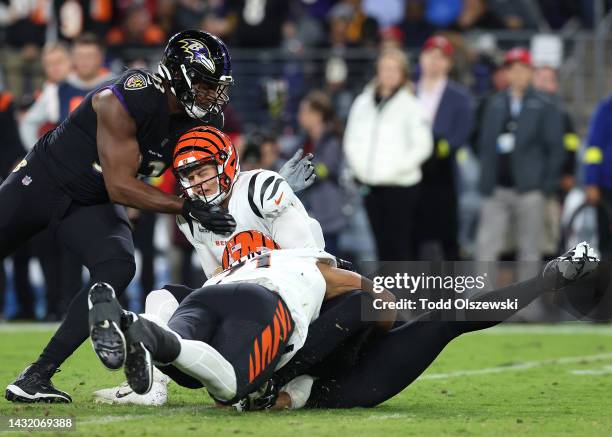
(386, 144)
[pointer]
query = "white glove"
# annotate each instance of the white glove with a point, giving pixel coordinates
(299, 171)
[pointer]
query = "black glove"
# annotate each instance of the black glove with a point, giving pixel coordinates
(262, 399)
(345, 265)
(213, 218)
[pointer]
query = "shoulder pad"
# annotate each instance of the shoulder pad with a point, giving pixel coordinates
(269, 194)
(140, 92)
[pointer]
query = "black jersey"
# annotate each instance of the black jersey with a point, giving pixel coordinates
(70, 151)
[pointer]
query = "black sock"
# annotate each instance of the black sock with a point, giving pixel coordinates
(163, 345)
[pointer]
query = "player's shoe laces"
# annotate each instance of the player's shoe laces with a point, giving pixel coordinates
(104, 319)
(34, 385)
(571, 266)
(123, 394)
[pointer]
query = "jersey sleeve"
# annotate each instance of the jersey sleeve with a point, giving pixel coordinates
(271, 199)
(269, 194)
(139, 92)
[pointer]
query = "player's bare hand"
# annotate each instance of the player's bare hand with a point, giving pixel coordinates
(299, 171)
(213, 218)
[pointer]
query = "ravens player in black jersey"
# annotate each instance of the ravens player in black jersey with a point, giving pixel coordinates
(71, 180)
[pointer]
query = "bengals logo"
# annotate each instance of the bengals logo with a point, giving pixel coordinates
(135, 82)
(198, 52)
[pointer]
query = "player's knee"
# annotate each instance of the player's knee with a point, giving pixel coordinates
(117, 272)
(180, 292)
(161, 303)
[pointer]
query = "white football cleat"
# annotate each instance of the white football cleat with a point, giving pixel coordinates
(123, 394)
(573, 265)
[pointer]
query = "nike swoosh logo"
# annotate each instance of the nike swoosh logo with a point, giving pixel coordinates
(120, 395)
(278, 201)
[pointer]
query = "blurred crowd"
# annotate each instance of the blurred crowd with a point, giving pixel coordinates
(436, 159)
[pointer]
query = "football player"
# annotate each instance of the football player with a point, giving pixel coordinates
(387, 366)
(231, 334)
(123, 130)
(207, 166)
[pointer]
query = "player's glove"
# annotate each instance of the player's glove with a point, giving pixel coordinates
(213, 218)
(299, 171)
(345, 265)
(262, 399)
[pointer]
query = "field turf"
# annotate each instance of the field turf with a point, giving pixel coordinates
(510, 380)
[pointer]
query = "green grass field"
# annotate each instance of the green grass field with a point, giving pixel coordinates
(511, 380)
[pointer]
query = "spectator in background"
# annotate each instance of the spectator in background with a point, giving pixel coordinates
(189, 13)
(24, 24)
(72, 18)
(545, 80)
(324, 199)
(386, 141)
(521, 153)
(59, 99)
(11, 151)
(136, 29)
(598, 170)
(260, 150)
(478, 14)
(259, 23)
(57, 65)
(349, 26)
(516, 14)
(416, 28)
(391, 38)
(448, 108)
(336, 86)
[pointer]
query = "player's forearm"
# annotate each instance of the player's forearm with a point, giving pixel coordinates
(137, 194)
(387, 316)
(341, 281)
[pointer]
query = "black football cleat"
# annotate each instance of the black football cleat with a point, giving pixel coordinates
(104, 326)
(573, 265)
(34, 385)
(138, 366)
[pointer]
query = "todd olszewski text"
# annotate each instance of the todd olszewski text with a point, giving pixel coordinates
(445, 304)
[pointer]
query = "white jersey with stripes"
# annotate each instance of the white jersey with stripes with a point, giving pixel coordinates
(260, 200)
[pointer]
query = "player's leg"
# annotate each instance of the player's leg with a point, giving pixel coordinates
(251, 328)
(494, 220)
(30, 200)
(227, 338)
(391, 364)
(339, 320)
(101, 237)
(159, 305)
